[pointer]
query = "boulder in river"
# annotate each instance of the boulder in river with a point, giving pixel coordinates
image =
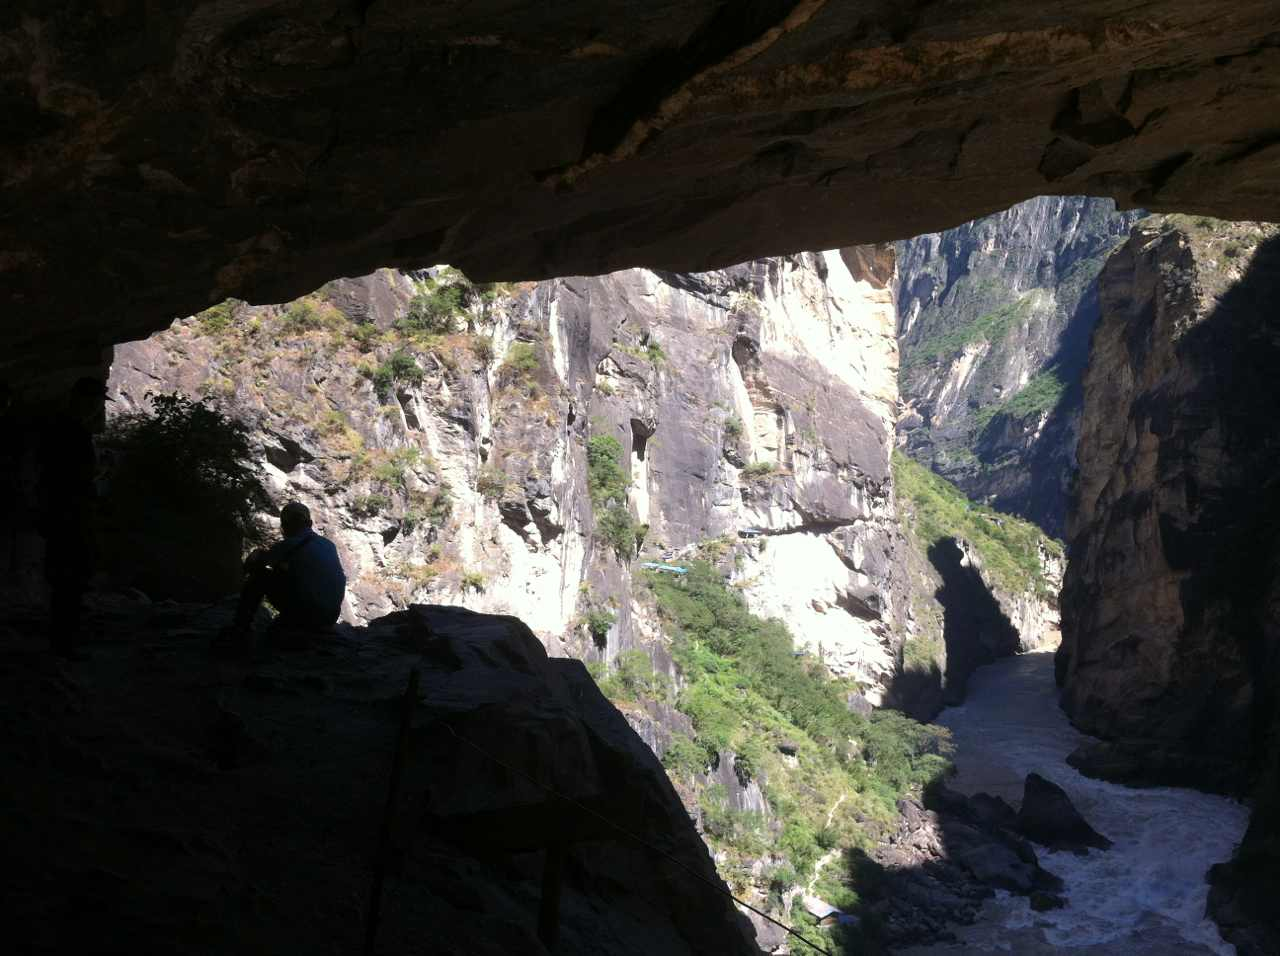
(1049, 818)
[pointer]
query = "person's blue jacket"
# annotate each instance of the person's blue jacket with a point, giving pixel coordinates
(314, 571)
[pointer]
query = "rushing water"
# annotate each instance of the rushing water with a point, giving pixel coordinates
(1146, 895)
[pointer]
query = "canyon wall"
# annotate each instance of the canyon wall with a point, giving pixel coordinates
(1170, 641)
(754, 401)
(994, 319)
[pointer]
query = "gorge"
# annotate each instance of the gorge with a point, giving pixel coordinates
(529, 449)
(721, 568)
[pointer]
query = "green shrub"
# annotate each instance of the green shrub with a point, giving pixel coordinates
(472, 581)
(607, 484)
(366, 335)
(492, 482)
(401, 366)
(598, 621)
(434, 308)
(733, 427)
(433, 508)
(1009, 546)
(521, 359)
(800, 844)
(369, 505)
(219, 318)
(186, 465)
(619, 530)
(654, 353)
(634, 678)
(683, 756)
(393, 471)
(606, 479)
(758, 470)
(307, 314)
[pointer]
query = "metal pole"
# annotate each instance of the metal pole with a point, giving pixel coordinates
(384, 837)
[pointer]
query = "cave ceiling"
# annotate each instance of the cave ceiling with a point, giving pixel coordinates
(159, 157)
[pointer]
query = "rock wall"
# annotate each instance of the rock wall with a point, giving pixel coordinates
(1170, 647)
(994, 319)
(755, 401)
(159, 161)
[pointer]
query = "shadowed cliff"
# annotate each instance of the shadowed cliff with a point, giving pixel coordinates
(1170, 640)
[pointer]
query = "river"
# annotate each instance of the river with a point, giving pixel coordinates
(1146, 895)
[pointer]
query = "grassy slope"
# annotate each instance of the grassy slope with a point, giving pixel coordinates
(1009, 546)
(745, 690)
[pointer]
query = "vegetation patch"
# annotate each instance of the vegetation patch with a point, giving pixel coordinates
(759, 470)
(745, 692)
(521, 359)
(400, 367)
(607, 484)
(220, 318)
(190, 457)
(428, 508)
(598, 621)
(989, 327)
(1039, 396)
(633, 678)
(1009, 546)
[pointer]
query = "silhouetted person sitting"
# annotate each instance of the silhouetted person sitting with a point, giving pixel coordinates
(68, 467)
(301, 576)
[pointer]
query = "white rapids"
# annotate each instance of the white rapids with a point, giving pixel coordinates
(1147, 894)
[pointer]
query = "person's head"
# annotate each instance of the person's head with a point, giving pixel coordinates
(295, 518)
(86, 401)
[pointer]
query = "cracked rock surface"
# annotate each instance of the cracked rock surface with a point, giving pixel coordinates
(157, 161)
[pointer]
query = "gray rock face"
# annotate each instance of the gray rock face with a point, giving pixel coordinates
(994, 319)
(1177, 456)
(1170, 636)
(757, 398)
(1048, 817)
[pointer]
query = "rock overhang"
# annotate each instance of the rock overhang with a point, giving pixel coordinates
(157, 163)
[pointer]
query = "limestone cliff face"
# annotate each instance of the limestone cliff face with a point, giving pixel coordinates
(756, 401)
(994, 319)
(1170, 646)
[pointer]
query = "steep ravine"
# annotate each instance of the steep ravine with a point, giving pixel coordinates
(526, 449)
(1144, 895)
(994, 319)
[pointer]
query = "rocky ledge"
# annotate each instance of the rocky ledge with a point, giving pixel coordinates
(155, 794)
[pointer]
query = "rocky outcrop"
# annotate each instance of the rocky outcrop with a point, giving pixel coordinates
(211, 807)
(1169, 626)
(1048, 817)
(942, 862)
(158, 162)
(994, 319)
